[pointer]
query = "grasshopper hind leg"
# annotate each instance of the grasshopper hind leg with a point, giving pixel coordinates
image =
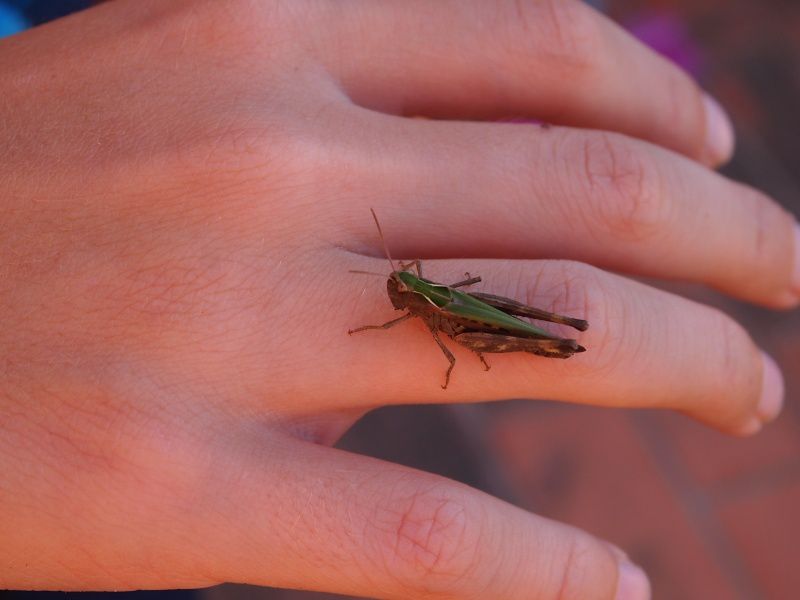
(491, 342)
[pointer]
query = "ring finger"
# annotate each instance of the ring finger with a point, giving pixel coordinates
(645, 348)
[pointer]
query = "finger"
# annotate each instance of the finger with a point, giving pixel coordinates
(304, 516)
(644, 348)
(555, 60)
(473, 189)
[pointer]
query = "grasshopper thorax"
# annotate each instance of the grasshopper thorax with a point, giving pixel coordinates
(407, 290)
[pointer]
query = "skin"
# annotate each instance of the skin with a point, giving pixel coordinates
(185, 187)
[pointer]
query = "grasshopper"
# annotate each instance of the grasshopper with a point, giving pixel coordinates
(484, 323)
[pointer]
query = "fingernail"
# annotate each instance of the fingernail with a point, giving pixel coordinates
(632, 583)
(771, 402)
(720, 138)
(618, 552)
(796, 271)
(753, 426)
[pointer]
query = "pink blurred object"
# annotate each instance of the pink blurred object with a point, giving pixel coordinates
(668, 35)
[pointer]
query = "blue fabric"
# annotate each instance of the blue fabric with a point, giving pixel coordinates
(39, 11)
(16, 15)
(11, 20)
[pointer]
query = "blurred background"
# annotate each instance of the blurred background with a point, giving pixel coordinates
(709, 517)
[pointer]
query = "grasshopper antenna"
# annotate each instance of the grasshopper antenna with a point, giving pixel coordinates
(367, 273)
(383, 240)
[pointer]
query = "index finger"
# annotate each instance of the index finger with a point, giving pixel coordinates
(556, 60)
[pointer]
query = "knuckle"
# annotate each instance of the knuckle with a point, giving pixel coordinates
(563, 30)
(257, 26)
(729, 348)
(241, 150)
(430, 535)
(761, 247)
(681, 108)
(736, 363)
(583, 291)
(585, 566)
(767, 218)
(230, 148)
(625, 187)
(564, 287)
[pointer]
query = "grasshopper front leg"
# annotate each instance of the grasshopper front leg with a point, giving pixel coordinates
(417, 264)
(447, 353)
(468, 281)
(387, 325)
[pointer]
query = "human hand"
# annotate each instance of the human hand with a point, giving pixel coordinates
(186, 186)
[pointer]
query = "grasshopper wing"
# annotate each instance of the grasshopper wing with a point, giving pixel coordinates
(513, 307)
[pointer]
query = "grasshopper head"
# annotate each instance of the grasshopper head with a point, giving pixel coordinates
(400, 284)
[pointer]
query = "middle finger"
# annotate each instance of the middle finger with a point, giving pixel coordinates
(524, 191)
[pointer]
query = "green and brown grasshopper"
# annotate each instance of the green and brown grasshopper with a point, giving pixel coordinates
(480, 322)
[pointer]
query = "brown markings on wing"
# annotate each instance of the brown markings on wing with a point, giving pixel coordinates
(492, 342)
